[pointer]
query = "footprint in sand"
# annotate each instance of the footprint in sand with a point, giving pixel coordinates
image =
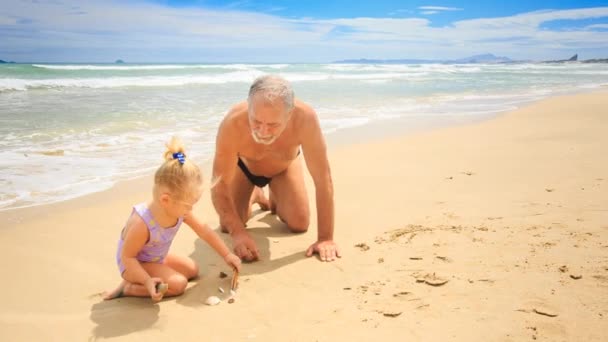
(443, 258)
(539, 307)
(491, 218)
(363, 246)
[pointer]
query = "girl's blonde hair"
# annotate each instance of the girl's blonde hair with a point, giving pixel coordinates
(181, 179)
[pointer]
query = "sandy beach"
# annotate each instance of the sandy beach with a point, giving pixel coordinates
(492, 231)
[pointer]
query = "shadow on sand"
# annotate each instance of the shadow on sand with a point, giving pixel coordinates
(124, 316)
(262, 230)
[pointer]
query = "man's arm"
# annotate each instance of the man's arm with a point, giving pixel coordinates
(315, 155)
(224, 167)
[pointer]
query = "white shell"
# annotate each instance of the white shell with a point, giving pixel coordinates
(212, 300)
(221, 289)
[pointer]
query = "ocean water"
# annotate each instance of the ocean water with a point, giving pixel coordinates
(69, 130)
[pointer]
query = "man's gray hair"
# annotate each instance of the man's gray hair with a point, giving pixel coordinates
(272, 87)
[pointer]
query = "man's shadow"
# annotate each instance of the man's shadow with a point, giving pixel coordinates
(262, 227)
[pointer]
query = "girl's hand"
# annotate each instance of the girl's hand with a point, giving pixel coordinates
(151, 287)
(233, 261)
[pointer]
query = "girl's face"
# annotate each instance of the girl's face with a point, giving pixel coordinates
(181, 207)
(178, 206)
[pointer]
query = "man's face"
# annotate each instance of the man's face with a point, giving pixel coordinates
(267, 119)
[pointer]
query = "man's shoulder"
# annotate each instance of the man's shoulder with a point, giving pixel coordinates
(239, 109)
(305, 115)
(235, 116)
(303, 108)
(304, 112)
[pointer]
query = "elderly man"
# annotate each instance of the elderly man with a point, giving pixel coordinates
(258, 144)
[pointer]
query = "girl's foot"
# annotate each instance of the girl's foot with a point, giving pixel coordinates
(116, 293)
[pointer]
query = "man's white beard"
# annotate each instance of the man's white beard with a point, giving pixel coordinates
(263, 141)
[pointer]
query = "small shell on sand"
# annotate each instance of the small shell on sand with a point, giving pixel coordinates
(235, 280)
(231, 300)
(220, 289)
(213, 300)
(430, 279)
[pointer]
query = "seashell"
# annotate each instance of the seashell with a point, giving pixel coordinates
(162, 288)
(235, 280)
(231, 300)
(213, 300)
(221, 289)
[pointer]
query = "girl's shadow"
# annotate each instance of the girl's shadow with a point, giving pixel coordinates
(117, 317)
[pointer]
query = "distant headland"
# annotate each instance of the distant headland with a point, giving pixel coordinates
(487, 58)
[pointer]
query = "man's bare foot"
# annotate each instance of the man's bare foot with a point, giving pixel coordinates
(116, 293)
(273, 205)
(259, 198)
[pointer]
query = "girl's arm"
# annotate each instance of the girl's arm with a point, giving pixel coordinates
(208, 235)
(135, 238)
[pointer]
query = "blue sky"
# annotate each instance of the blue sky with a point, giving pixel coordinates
(298, 31)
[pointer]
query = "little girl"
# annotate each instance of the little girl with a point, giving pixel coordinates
(142, 257)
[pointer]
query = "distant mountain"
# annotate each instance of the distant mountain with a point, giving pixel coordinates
(119, 61)
(597, 60)
(1, 61)
(386, 61)
(571, 59)
(484, 58)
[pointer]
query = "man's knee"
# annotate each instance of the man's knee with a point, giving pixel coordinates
(299, 222)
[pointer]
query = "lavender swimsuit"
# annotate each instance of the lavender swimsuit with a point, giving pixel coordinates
(156, 248)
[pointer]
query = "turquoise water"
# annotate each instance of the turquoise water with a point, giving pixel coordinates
(68, 130)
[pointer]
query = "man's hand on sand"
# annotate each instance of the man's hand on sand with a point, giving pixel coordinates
(245, 247)
(327, 250)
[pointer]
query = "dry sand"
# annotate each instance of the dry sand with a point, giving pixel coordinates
(508, 211)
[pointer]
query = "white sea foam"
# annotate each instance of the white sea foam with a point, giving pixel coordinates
(122, 67)
(176, 81)
(75, 129)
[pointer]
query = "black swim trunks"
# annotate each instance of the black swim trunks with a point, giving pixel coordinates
(260, 181)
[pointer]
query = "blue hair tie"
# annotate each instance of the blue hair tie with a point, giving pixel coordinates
(179, 156)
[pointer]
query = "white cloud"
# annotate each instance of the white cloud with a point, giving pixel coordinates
(7, 21)
(429, 12)
(598, 26)
(148, 32)
(439, 8)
